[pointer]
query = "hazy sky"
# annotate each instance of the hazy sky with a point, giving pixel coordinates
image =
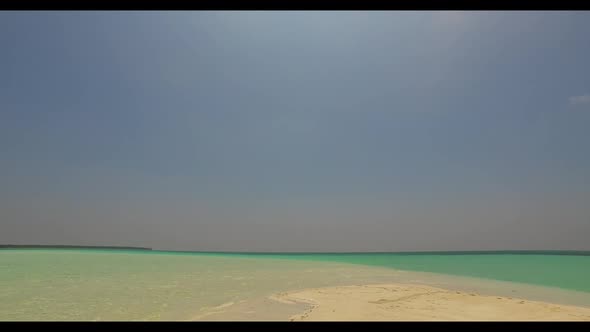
(296, 131)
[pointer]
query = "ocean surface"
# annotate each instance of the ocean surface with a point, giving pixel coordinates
(568, 270)
(65, 284)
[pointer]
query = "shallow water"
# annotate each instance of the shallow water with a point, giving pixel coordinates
(567, 270)
(125, 285)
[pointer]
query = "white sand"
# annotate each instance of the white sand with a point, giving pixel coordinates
(401, 302)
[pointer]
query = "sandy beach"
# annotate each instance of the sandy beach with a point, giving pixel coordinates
(399, 302)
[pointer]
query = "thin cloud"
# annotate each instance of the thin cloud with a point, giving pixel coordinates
(580, 100)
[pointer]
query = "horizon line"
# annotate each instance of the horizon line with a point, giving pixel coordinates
(497, 251)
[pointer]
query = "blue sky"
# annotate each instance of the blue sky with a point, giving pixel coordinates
(369, 126)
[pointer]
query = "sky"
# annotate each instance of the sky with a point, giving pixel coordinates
(296, 131)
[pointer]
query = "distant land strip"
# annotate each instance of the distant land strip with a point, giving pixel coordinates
(43, 246)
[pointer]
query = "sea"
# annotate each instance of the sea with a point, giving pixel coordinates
(146, 285)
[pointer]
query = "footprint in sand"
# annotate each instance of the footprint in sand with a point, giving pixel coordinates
(225, 305)
(381, 301)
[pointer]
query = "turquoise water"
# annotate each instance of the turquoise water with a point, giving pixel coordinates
(562, 269)
(73, 284)
(553, 270)
(88, 285)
